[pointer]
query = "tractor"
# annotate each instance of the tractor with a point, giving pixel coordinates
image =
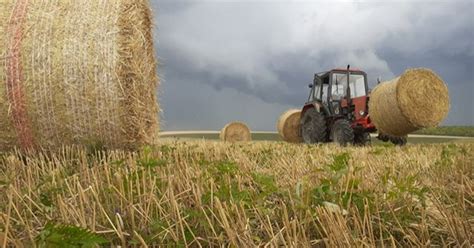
(337, 110)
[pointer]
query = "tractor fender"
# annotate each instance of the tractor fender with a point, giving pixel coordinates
(316, 105)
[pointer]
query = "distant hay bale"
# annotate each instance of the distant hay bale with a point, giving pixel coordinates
(235, 131)
(77, 72)
(289, 126)
(417, 99)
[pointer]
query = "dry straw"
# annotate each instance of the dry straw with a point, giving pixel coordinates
(262, 194)
(235, 132)
(289, 126)
(417, 99)
(77, 72)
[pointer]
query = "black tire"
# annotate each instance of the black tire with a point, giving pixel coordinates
(383, 137)
(313, 127)
(362, 138)
(342, 132)
(398, 141)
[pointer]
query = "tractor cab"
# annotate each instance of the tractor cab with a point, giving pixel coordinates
(341, 92)
(337, 108)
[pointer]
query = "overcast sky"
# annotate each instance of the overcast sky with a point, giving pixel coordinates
(250, 61)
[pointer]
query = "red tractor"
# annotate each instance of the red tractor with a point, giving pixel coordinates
(337, 110)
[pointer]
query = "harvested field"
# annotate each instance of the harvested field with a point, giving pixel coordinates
(207, 193)
(273, 136)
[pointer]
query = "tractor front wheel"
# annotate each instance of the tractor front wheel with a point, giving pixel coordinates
(313, 127)
(342, 132)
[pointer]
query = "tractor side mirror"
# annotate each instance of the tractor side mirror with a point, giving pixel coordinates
(310, 86)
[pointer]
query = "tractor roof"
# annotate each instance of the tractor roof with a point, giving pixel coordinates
(351, 70)
(342, 70)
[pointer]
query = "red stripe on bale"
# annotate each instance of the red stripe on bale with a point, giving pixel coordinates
(14, 82)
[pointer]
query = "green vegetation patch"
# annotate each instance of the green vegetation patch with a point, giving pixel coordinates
(465, 131)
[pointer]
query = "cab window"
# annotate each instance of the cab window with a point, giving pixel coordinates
(317, 92)
(339, 85)
(325, 88)
(325, 92)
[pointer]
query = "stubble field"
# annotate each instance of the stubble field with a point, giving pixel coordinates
(209, 193)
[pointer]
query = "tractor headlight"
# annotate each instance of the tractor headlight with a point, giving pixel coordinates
(361, 112)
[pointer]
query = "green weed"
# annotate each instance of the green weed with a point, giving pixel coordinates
(67, 236)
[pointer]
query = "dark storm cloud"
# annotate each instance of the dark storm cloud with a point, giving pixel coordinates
(178, 66)
(265, 53)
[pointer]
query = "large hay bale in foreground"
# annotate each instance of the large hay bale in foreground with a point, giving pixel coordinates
(417, 99)
(77, 72)
(289, 126)
(235, 132)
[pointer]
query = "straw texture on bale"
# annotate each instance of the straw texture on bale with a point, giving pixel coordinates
(417, 99)
(235, 132)
(289, 126)
(77, 72)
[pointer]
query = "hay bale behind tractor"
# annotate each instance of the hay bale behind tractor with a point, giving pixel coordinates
(77, 72)
(235, 131)
(417, 99)
(289, 126)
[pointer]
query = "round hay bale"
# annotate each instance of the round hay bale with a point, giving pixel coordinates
(417, 99)
(235, 131)
(289, 126)
(77, 72)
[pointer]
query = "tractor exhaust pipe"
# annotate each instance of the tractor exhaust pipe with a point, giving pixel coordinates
(348, 92)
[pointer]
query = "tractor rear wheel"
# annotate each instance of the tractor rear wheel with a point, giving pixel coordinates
(313, 127)
(362, 138)
(342, 132)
